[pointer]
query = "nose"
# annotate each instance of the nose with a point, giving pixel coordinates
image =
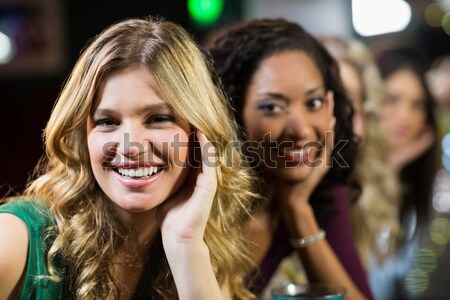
(403, 112)
(298, 125)
(133, 142)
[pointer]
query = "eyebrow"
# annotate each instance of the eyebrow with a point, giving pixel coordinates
(315, 90)
(160, 107)
(281, 97)
(274, 96)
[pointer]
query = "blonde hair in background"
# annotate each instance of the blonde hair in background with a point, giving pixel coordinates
(87, 233)
(375, 216)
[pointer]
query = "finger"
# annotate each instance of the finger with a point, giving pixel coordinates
(330, 98)
(325, 155)
(209, 161)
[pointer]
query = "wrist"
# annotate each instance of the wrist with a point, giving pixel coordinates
(308, 240)
(184, 246)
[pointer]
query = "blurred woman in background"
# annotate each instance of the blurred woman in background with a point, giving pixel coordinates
(408, 122)
(375, 216)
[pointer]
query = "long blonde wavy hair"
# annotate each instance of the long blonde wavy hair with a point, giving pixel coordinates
(375, 216)
(87, 234)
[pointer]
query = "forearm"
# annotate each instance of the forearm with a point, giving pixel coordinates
(192, 271)
(320, 261)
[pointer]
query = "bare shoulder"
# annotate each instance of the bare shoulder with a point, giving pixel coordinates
(13, 253)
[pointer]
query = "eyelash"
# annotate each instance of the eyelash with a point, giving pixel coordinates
(104, 122)
(158, 119)
(269, 108)
(161, 119)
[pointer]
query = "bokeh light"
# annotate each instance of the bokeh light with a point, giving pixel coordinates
(433, 14)
(205, 12)
(380, 17)
(6, 48)
(446, 23)
(417, 281)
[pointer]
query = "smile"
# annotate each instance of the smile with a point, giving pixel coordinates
(139, 172)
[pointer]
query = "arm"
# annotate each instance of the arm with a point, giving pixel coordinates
(320, 261)
(13, 255)
(183, 221)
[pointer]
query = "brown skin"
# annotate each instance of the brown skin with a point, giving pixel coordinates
(286, 97)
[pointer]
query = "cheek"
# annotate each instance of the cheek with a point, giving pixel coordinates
(419, 120)
(259, 129)
(100, 148)
(174, 146)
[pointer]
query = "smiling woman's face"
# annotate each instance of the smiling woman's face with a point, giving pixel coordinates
(138, 147)
(288, 109)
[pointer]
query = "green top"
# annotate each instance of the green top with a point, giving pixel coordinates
(38, 219)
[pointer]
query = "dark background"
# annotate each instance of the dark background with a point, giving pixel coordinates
(26, 99)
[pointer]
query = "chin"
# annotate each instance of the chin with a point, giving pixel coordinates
(296, 174)
(136, 205)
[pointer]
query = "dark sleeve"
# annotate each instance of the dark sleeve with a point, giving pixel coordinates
(340, 238)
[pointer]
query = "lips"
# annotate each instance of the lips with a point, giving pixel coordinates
(299, 154)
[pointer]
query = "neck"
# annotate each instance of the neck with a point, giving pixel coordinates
(144, 229)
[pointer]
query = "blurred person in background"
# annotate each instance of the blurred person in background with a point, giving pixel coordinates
(287, 95)
(408, 121)
(438, 79)
(375, 215)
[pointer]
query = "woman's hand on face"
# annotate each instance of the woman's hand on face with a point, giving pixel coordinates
(293, 193)
(183, 217)
(294, 197)
(402, 156)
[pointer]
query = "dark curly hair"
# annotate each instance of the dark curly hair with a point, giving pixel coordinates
(238, 50)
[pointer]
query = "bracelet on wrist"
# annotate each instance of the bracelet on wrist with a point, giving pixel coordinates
(309, 240)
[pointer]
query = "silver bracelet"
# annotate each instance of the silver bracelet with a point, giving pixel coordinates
(309, 240)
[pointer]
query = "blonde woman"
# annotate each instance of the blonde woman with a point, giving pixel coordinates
(133, 201)
(375, 216)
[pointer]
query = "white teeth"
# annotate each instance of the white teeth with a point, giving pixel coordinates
(138, 172)
(296, 152)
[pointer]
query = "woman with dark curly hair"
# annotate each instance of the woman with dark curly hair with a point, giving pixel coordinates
(297, 123)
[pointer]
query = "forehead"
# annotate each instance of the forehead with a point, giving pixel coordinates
(128, 87)
(406, 82)
(288, 68)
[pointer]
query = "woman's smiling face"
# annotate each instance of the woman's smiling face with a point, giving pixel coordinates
(288, 109)
(138, 146)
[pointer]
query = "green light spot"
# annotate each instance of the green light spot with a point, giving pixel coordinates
(426, 260)
(205, 12)
(416, 281)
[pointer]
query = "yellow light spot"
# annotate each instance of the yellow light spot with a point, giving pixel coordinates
(433, 14)
(446, 23)
(416, 282)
